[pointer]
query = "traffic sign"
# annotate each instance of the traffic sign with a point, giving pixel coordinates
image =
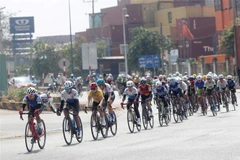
(22, 45)
(63, 62)
(22, 36)
(22, 41)
(149, 61)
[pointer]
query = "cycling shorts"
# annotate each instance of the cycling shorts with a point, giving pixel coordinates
(210, 91)
(75, 107)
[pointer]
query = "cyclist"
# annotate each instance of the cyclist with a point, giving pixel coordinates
(231, 87)
(145, 91)
(209, 87)
(136, 81)
(97, 95)
(175, 89)
(34, 102)
(79, 84)
(108, 94)
(161, 93)
(72, 79)
(199, 86)
(70, 96)
(184, 88)
(222, 84)
(132, 94)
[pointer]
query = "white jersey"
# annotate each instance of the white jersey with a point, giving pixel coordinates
(131, 94)
(65, 96)
(209, 85)
(222, 84)
(107, 89)
(183, 86)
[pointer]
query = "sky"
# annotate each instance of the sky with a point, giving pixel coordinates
(51, 16)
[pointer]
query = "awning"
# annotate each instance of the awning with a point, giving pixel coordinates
(220, 58)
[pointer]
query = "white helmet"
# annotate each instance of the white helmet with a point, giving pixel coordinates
(199, 77)
(68, 84)
(185, 78)
(130, 83)
(215, 76)
(31, 90)
(229, 77)
(160, 76)
(209, 76)
(220, 76)
(158, 83)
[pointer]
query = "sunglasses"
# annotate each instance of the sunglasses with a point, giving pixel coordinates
(67, 89)
(93, 89)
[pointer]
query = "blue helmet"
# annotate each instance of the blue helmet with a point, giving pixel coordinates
(100, 82)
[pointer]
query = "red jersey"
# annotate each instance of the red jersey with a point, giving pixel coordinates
(144, 90)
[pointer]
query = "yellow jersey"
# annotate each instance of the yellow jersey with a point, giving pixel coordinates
(97, 96)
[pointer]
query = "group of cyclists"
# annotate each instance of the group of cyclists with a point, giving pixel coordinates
(188, 89)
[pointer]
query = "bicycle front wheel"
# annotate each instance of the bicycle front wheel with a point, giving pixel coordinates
(94, 126)
(29, 138)
(113, 125)
(104, 129)
(42, 137)
(67, 130)
(145, 117)
(80, 138)
(160, 116)
(130, 120)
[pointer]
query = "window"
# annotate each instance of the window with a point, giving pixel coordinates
(169, 17)
(218, 5)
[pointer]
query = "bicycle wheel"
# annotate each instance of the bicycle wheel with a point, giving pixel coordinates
(170, 113)
(29, 138)
(67, 130)
(151, 122)
(175, 115)
(80, 138)
(94, 126)
(160, 115)
(145, 117)
(130, 120)
(104, 129)
(113, 125)
(137, 126)
(226, 104)
(42, 137)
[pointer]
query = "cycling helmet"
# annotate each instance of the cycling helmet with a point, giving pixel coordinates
(220, 76)
(68, 84)
(209, 76)
(185, 78)
(177, 73)
(215, 77)
(143, 81)
(93, 85)
(229, 77)
(204, 77)
(199, 77)
(130, 83)
(100, 82)
(194, 75)
(164, 76)
(158, 83)
(31, 90)
(172, 80)
(160, 76)
(174, 75)
(191, 78)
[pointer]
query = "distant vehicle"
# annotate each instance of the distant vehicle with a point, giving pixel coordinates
(19, 82)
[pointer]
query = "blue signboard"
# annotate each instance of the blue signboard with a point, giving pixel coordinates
(149, 61)
(21, 25)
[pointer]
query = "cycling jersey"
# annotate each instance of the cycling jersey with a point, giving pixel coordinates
(34, 103)
(107, 89)
(161, 92)
(222, 84)
(175, 88)
(68, 97)
(97, 95)
(192, 84)
(131, 94)
(183, 86)
(144, 90)
(199, 85)
(209, 84)
(231, 83)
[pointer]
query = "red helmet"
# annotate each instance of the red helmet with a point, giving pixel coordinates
(93, 85)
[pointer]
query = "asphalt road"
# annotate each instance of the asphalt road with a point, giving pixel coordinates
(199, 138)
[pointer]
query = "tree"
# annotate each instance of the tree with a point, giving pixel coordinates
(227, 41)
(145, 42)
(101, 47)
(45, 59)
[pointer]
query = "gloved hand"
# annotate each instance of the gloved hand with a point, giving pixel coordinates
(21, 112)
(59, 111)
(135, 101)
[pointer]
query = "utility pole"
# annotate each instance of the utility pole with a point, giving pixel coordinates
(93, 17)
(70, 27)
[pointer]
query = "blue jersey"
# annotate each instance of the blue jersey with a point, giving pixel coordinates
(35, 102)
(231, 83)
(161, 92)
(175, 88)
(199, 85)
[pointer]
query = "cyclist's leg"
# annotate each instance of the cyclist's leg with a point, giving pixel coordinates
(76, 113)
(94, 109)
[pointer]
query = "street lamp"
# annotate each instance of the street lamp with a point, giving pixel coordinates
(125, 15)
(70, 26)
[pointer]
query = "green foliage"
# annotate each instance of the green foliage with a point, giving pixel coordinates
(101, 46)
(227, 41)
(46, 59)
(145, 42)
(14, 94)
